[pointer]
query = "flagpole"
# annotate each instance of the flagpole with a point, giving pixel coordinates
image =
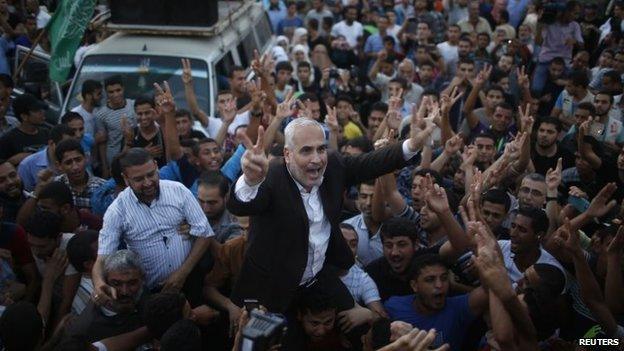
(44, 31)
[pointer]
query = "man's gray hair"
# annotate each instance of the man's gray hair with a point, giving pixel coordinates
(289, 132)
(536, 177)
(122, 260)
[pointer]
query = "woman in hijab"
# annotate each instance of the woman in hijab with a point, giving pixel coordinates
(300, 54)
(300, 37)
(320, 57)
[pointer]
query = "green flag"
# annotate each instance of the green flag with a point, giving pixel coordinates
(65, 30)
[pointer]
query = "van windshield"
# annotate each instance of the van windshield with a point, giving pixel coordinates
(139, 73)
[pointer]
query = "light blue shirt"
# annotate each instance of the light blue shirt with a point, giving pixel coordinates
(374, 43)
(516, 10)
(361, 286)
(152, 231)
(231, 169)
(369, 248)
(30, 167)
(276, 16)
(6, 45)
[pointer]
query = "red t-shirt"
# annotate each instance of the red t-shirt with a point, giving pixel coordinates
(13, 238)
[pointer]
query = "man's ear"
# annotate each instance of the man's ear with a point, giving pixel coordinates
(414, 285)
(287, 154)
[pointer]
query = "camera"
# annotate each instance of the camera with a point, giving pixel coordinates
(263, 331)
(251, 304)
(333, 73)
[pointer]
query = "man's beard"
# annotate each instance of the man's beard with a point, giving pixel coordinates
(147, 198)
(215, 216)
(124, 308)
(546, 145)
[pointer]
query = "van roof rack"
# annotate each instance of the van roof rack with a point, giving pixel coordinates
(229, 11)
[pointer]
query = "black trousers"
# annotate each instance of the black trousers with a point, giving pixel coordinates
(328, 281)
(194, 285)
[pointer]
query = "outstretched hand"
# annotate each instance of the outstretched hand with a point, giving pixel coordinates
(331, 119)
(568, 239)
(600, 204)
(416, 340)
(447, 102)
(165, 104)
(254, 162)
(187, 72)
(553, 177)
(420, 131)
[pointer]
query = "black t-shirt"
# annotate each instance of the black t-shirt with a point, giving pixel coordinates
(16, 141)
(319, 40)
(550, 88)
(543, 163)
(157, 139)
(388, 282)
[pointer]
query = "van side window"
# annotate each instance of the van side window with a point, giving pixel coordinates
(246, 49)
(263, 31)
(223, 67)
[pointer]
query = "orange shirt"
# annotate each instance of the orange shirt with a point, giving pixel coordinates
(228, 263)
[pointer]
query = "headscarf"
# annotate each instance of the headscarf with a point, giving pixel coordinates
(296, 39)
(283, 39)
(321, 61)
(295, 64)
(279, 54)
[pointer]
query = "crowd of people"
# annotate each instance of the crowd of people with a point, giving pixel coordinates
(397, 175)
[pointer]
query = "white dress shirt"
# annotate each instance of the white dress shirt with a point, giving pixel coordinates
(320, 228)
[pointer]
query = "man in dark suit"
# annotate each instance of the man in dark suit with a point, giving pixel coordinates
(295, 204)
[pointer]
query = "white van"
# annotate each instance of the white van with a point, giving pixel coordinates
(143, 55)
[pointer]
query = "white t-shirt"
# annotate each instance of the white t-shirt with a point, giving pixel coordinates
(448, 52)
(393, 30)
(88, 117)
(514, 273)
(239, 120)
(351, 33)
(214, 124)
(80, 53)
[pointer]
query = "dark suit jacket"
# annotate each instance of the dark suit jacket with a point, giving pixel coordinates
(278, 234)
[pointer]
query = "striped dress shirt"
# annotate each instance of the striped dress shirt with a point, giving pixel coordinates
(361, 286)
(152, 231)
